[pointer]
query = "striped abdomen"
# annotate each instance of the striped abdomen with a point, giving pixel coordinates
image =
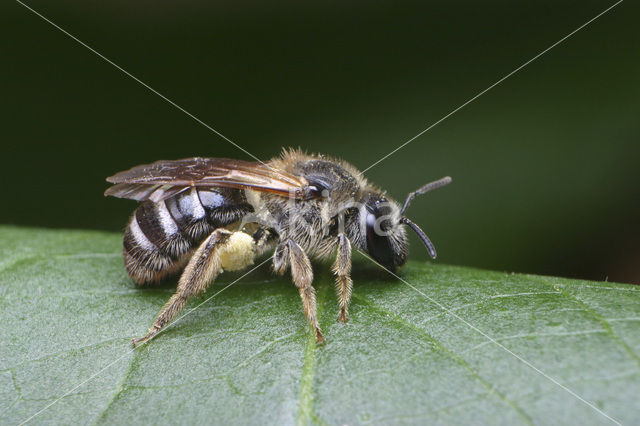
(160, 236)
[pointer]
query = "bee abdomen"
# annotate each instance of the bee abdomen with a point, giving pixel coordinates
(160, 228)
(224, 205)
(160, 235)
(147, 261)
(189, 215)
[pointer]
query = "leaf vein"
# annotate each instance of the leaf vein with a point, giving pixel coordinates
(305, 405)
(455, 357)
(599, 318)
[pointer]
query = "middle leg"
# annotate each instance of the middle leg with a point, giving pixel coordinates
(290, 253)
(342, 270)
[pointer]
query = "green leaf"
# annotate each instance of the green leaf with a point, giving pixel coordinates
(68, 312)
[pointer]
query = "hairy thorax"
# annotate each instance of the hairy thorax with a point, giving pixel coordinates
(313, 224)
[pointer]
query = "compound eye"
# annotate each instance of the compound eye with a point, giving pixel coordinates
(321, 186)
(383, 213)
(378, 245)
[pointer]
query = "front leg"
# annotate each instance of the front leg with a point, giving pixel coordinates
(289, 253)
(342, 270)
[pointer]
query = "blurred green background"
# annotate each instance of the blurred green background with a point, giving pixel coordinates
(545, 165)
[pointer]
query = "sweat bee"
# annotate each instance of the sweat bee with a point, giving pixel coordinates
(207, 215)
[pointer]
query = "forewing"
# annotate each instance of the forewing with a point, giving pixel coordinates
(141, 192)
(164, 179)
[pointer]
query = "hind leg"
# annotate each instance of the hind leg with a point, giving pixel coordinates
(218, 250)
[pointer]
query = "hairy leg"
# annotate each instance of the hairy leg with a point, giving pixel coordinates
(342, 270)
(265, 240)
(203, 267)
(281, 258)
(289, 253)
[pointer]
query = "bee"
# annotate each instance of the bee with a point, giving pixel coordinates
(203, 216)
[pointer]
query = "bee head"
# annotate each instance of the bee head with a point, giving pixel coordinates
(381, 225)
(384, 239)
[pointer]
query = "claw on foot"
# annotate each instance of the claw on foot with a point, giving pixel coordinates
(343, 316)
(146, 338)
(319, 336)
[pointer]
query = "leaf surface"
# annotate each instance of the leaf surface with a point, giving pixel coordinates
(475, 347)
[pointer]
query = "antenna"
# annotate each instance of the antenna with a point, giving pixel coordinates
(423, 189)
(423, 237)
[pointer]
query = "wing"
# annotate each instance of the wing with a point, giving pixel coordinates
(164, 179)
